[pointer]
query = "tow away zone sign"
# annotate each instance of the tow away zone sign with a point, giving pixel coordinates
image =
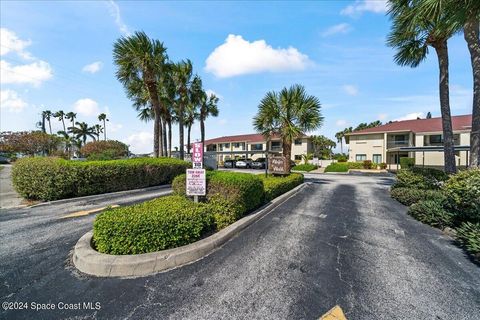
(196, 182)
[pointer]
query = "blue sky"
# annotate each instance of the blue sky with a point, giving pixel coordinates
(58, 55)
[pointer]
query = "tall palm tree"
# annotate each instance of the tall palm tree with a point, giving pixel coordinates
(140, 59)
(82, 131)
(289, 113)
(339, 135)
(71, 116)
(103, 117)
(47, 114)
(97, 129)
(412, 33)
(182, 76)
(67, 140)
(61, 117)
(192, 110)
(208, 107)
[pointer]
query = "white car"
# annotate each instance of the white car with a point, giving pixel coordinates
(244, 163)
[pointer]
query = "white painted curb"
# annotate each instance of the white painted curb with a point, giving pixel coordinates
(92, 262)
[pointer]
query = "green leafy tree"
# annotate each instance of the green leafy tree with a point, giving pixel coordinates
(289, 113)
(82, 132)
(323, 146)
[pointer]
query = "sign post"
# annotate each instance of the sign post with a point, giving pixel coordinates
(196, 177)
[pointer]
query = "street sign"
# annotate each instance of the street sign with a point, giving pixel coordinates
(277, 165)
(196, 182)
(197, 155)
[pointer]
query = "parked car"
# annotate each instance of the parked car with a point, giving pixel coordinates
(244, 163)
(229, 164)
(259, 163)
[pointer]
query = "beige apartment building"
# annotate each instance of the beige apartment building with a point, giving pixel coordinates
(420, 139)
(253, 146)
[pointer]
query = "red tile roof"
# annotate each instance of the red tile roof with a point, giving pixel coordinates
(420, 125)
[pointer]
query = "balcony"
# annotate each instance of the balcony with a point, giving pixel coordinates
(397, 144)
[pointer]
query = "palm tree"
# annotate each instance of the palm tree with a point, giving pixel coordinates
(47, 114)
(192, 110)
(412, 33)
(339, 135)
(67, 140)
(289, 113)
(208, 107)
(140, 59)
(182, 76)
(71, 116)
(97, 129)
(103, 117)
(82, 131)
(41, 124)
(61, 117)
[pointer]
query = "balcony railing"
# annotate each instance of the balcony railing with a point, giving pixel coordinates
(396, 144)
(276, 149)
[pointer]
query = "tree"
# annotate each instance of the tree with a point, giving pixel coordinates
(322, 146)
(339, 136)
(47, 114)
(60, 115)
(98, 129)
(289, 113)
(411, 34)
(208, 107)
(182, 77)
(82, 131)
(104, 150)
(67, 140)
(140, 59)
(192, 111)
(103, 117)
(29, 143)
(71, 116)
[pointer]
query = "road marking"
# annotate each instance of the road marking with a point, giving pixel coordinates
(87, 212)
(322, 216)
(336, 313)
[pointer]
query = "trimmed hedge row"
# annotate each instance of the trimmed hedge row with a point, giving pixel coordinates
(45, 178)
(305, 167)
(409, 196)
(155, 225)
(420, 178)
(276, 186)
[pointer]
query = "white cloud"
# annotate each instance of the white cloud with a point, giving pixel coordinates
(411, 116)
(350, 89)
(113, 127)
(86, 107)
(341, 122)
(336, 29)
(115, 13)
(238, 56)
(34, 73)
(140, 142)
(11, 43)
(10, 100)
(93, 67)
(361, 6)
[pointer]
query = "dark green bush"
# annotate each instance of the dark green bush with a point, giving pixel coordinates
(163, 223)
(46, 178)
(420, 178)
(468, 234)
(305, 167)
(337, 167)
(406, 163)
(276, 186)
(409, 196)
(463, 195)
(431, 212)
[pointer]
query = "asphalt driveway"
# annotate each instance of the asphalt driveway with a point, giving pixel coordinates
(341, 240)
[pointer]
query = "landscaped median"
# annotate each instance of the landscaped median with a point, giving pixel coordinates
(47, 178)
(171, 231)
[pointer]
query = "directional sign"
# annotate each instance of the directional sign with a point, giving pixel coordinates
(197, 155)
(196, 182)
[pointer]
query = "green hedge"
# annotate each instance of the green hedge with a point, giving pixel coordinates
(420, 178)
(431, 212)
(276, 186)
(468, 234)
(337, 167)
(406, 162)
(44, 178)
(409, 196)
(155, 225)
(463, 194)
(305, 167)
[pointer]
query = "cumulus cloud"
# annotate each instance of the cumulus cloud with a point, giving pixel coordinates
(350, 89)
(341, 28)
(9, 100)
(115, 13)
(12, 43)
(34, 73)
(238, 56)
(86, 107)
(93, 67)
(411, 116)
(361, 6)
(341, 122)
(140, 142)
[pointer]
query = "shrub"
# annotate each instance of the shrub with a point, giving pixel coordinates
(305, 167)
(409, 196)
(163, 223)
(468, 234)
(431, 212)
(420, 178)
(337, 167)
(406, 163)
(46, 178)
(367, 164)
(463, 194)
(383, 166)
(104, 150)
(276, 186)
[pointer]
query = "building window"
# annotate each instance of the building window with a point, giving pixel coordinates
(227, 145)
(360, 157)
(298, 142)
(256, 147)
(236, 145)
(298, 157)
(377, 158)
(275, 146)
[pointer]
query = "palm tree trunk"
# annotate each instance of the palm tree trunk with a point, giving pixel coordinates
(43, 125)
(64, 128)
(202, 131)
(341, 145)
(165, 144)
(181, 132)
(287, 152)
(449, 151)
(104, 131)
(189, 130)
(50, 126)
(160, 137)
(471, 35)
(169, 123)
(155, 133)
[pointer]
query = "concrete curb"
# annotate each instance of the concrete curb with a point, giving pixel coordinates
(92, 262)
(102, 196)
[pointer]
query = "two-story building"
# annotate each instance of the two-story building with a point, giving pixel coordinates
(254, 146)
(420, 139)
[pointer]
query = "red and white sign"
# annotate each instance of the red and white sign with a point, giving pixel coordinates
(196, 182)
(197, 155)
